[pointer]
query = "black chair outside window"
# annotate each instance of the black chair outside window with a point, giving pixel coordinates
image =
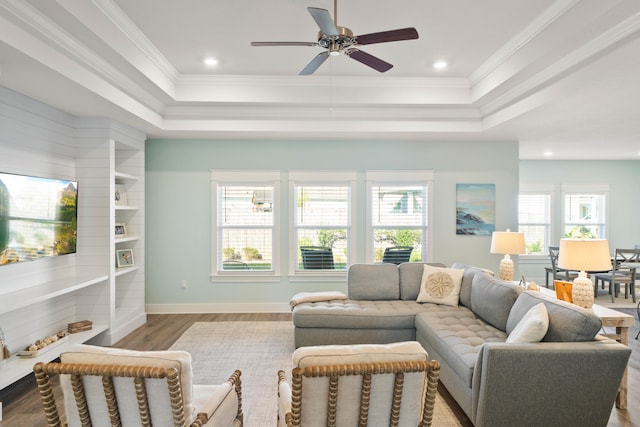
(317, 258)
(235, 265)
(397, 254)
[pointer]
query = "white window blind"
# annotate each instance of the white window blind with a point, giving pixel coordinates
(398, 205)
(322, 220)
(399, 217)
(585, 215)
(534, 218)
(245, 223)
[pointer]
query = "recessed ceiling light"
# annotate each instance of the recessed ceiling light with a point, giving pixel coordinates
(440, 65)
(548, 153)
(211, 62)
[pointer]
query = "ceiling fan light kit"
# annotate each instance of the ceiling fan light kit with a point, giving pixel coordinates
(336, 40)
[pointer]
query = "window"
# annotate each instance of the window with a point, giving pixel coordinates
(584, 212)
(244, 206)
(398, 214)
(534, 218)
(322, 221)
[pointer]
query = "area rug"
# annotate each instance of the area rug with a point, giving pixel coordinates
(259, 350)
(603, 298)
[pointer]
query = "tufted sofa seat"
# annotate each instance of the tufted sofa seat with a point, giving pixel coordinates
(495, 382)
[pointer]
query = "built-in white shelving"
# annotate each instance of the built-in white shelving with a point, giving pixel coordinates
(69, 283)
(17, 367)
(42, 297)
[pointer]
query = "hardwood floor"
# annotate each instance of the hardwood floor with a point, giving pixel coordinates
(22, 406)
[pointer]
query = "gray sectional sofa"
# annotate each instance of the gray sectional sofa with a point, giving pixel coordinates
(571, 377)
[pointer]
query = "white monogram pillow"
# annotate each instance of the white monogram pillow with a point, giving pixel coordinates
(440, 285)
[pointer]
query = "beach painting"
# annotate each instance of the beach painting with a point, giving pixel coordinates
(475, 209)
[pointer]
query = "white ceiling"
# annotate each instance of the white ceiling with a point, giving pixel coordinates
(554, 75)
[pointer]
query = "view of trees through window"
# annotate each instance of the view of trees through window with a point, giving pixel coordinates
(322, 219)
(245, 224)
(398, 217)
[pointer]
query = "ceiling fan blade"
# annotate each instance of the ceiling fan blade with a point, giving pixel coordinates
(314, 64)
(324, 21)
(369, 60)
(284, 44)
(388, 36)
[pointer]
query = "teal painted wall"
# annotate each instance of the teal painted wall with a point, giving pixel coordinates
(623, 179)
(178, 217)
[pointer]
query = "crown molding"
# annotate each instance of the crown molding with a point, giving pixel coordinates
(560, 69)
(60, 41)
(524, 37)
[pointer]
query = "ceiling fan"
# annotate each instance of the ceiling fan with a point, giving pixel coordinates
(337, 40)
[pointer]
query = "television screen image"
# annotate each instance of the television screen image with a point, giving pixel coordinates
(38, 217)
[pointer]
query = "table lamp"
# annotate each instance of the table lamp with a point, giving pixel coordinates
(507, 242)
(584, 255)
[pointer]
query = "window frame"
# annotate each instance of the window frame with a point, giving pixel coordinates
(549, 191)
(327, 178)
(602, 190)
(422, 178)
(249, 177)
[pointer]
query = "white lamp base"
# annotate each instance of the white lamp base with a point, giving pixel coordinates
(506, 268)
(582, 291)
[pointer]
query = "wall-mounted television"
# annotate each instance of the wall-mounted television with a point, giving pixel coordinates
(38, 217)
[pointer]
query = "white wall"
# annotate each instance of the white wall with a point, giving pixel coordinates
(178, 207)
(623, 179)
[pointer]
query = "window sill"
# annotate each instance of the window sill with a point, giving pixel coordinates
(245, 278)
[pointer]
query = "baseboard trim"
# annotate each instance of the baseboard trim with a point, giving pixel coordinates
(218, 308)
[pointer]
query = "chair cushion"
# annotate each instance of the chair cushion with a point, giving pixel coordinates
(373, 282)
(492, 299)
(360, 353)
(156, 388)
(220, 400)
(567, 322)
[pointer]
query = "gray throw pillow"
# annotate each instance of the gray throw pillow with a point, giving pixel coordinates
(373, 282)
(567, 322)
(467, 279)
(492, 299)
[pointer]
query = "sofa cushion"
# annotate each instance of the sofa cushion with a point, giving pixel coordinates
(467, 279)
(457, 335)
(532, 327)
(440, 285)
(492, 299)
(411, 278)
(354, 314)
(373, 282)
(567, 322)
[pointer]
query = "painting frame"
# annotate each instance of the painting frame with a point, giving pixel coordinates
(124, 258)
(475, 209)
(120, 230)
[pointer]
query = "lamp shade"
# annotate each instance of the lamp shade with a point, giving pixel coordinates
(584, 254)
(507, 242)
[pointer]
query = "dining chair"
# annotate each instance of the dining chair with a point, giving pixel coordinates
(397, 254)
(625, 265)
(556, 272)
(109, 387)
